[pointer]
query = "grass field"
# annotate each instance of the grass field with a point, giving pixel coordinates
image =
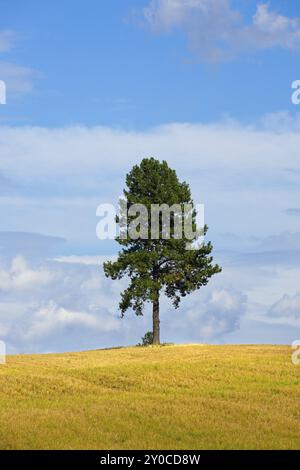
(173, 397)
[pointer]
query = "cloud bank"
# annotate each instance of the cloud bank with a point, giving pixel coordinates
(53, 298)
(247, 176)
(69, 304)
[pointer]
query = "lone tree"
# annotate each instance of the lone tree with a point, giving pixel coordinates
(161, 263)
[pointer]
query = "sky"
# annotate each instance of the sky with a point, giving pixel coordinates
(91, 89)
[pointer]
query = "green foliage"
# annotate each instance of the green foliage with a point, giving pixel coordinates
(159, 265)
(147, 339)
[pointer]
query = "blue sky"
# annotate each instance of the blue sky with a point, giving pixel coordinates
(99, 63)
(93, 87)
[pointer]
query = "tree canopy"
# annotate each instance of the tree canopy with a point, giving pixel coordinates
(165, 263)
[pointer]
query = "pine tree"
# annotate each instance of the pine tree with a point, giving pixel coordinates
(164, 264)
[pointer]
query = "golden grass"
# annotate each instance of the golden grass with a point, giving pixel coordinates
(172, 397)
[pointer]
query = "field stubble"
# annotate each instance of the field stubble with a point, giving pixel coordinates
(171, 397)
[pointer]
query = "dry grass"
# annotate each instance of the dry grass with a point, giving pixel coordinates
(179, 397)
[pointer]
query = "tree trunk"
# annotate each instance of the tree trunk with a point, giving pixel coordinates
(156, 321)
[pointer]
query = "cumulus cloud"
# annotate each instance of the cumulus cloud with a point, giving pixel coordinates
(56, 303)
(20, 277)
(245, 175)
(225, 163)
(68, 304)
(217, 32)
(52, 318)
(275, 29)
(218, 313)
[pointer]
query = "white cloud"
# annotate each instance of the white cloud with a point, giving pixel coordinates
(68, 304)
(86, 260)
(53, 302)
(217, 32)
(34, 151)
(20, 277)
(281, 122)
(52, 318)
(247, 176)
(276, 29)
(61, 305)
(218, 313)
(225, 163)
